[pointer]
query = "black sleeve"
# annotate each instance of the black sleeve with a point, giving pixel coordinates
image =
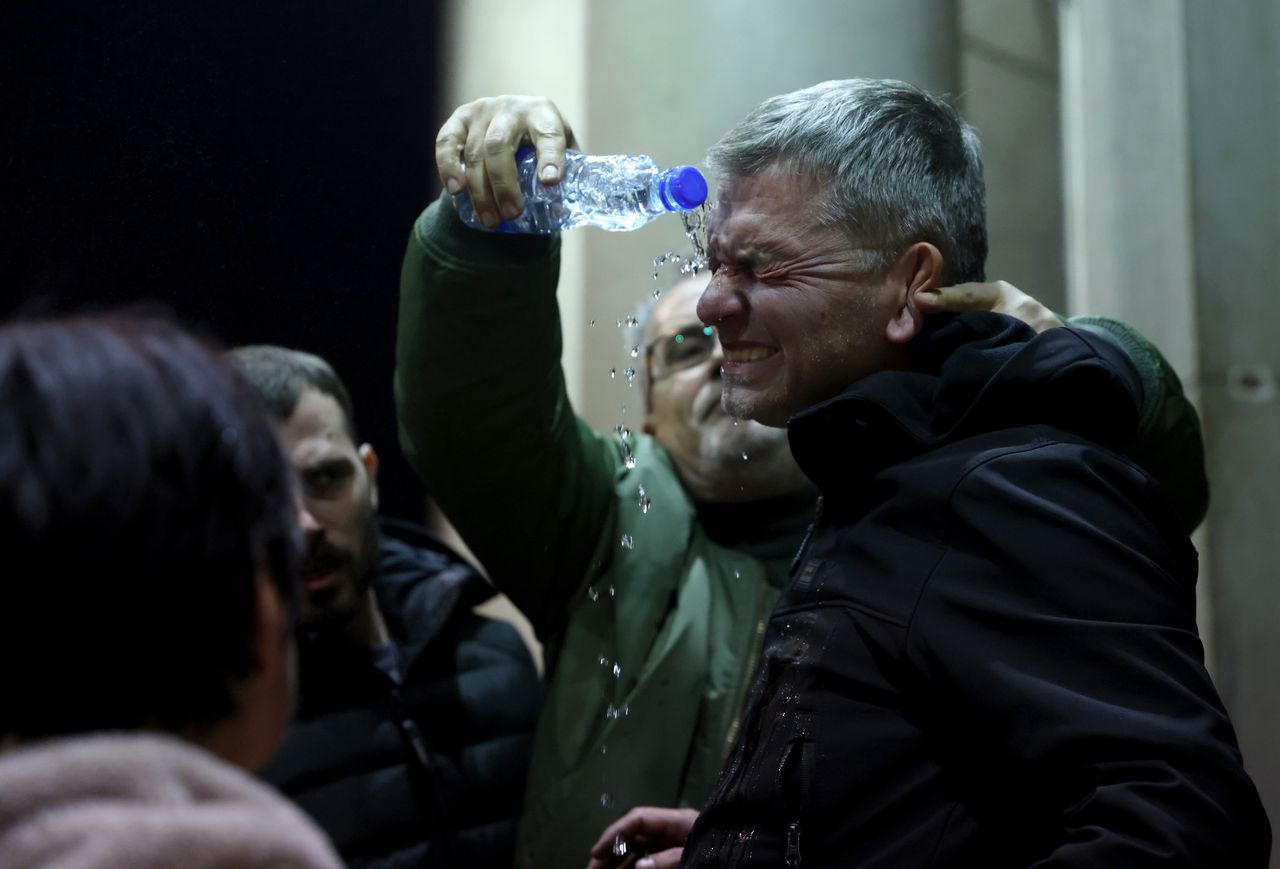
(1058, 631)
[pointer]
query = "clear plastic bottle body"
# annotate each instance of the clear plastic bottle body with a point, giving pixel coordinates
(617, 193)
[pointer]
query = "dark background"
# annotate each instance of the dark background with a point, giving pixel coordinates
(255, 167)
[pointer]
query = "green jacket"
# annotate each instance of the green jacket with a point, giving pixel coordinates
(651, 618)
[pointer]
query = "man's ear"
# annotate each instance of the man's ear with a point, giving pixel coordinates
(919, 270)
(370, 460)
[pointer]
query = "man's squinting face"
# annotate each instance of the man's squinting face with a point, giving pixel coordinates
(719, 459)
(798, 318)
(340, 499)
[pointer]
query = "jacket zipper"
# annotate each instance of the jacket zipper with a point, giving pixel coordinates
(797, 750)
(793, 845)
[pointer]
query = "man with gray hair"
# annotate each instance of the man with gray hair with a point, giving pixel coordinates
(652, 618)
(987, 654)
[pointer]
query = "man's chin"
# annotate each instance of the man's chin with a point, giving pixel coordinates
(326, 604)
(748, 405)
(737, 441)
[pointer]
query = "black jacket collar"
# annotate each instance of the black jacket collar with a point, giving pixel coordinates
(971, 373)
(422, 586)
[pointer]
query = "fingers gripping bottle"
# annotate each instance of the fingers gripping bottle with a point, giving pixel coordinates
(618, 193)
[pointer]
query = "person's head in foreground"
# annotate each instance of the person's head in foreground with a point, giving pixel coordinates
(148, 521)
(837, 205)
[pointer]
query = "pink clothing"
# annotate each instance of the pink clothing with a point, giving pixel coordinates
(143, 801)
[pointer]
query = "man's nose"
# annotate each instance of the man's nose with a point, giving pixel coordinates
(718, 302)
(306, 521)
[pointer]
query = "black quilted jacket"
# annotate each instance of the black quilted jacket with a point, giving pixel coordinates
(429, 773)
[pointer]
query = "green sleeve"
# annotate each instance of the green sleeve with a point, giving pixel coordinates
(483, 413)
(1168, 444)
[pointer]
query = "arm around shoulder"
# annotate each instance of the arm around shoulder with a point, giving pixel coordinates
(1168, 445)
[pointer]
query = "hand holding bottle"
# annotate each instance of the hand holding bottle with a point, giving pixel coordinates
(476, 148)
(546, 187)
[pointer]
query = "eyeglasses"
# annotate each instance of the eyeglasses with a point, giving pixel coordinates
(690, 346)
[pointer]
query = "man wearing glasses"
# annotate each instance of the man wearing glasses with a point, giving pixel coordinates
(648, 563)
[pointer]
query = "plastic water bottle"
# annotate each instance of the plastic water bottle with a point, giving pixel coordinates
(617, 193)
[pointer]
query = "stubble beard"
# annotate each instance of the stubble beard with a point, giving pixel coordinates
(348, 598)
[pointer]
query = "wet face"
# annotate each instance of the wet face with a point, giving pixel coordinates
(797, 315)
(685, 413)
(339, 506)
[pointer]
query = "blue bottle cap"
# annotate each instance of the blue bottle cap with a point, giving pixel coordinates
(683, 188)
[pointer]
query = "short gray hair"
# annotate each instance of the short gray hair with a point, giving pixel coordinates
(903, 166)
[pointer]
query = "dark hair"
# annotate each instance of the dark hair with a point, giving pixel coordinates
(899, 165)
(141, 484)
(280, 376)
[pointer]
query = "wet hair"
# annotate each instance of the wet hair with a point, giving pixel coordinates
(280, 376)
(141, 487)
(901, 166)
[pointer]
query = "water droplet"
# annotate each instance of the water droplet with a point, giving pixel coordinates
(632, 322)
(592, 323)
(619, 324)
(635, 351)
(604, 749)
(592, 593)
(695, 224)
(630, 374)
(626, 709)
(735, 420)
(606, 799)
(662, 259)
(737, 574)
(627, 541)
(611, 713)
(619, 846)
(613, 373)
(617, 671)
(613, 592)
(657, 294)
(622, 431)
(744, 455)
(645, 504)
(604, 662)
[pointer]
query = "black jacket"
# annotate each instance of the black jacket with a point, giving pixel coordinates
(430, 772)
(987, 654)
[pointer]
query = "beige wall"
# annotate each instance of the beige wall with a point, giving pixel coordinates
(1009, 82)
(1233, 77)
